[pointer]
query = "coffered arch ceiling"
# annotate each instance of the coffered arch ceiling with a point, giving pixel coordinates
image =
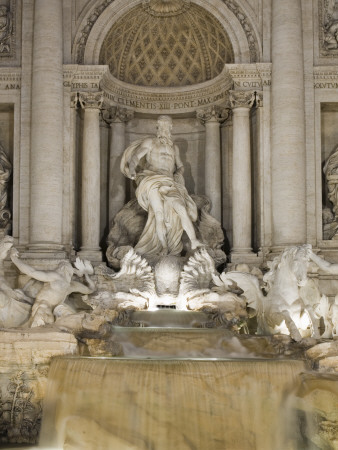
(166, 43)
(232, 19)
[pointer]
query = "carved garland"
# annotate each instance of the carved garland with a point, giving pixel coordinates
(82, 41)
(87, 29)
(247, 28)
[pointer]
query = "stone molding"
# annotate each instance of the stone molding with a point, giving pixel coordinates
(168, 9)
(91, 19)
(91, 78)
(215, 113)
(83, 78)
(10, 78)
(325, 77)
(160, 100)
(247, 28)
(250, 76)
(242, 99)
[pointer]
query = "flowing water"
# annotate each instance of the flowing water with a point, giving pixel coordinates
(171, 404)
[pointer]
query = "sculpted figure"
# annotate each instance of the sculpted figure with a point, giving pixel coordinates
(328, 311)
(155, 164)
(331, 35)
(326, 266)
(289, 306)
(58, 284)
(331, 174)
(6, 29)
(5, 173)
(15, 306)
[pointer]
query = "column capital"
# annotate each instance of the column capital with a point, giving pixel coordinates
(116, 114)
(214, 113)
(90, 100)
(242, 99)
(259, 99)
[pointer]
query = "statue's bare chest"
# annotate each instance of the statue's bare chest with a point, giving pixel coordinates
(162, 156)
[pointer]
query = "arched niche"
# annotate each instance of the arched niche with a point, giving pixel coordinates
(235, 20)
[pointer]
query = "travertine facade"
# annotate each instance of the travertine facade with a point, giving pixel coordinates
(251, 85)
(251, 91)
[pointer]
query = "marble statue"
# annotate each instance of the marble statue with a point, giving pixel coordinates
(15, 306)
(199, 291)
(325, 309)
(57, 285)
(130, 221)
(5, 173)
(155, 164)
(291, 300)
(330, 170)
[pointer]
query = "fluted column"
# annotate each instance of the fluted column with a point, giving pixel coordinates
(46, 175)
(117, 117)
(212, 117)
(288, 125)
(241, 103)
(90, 193)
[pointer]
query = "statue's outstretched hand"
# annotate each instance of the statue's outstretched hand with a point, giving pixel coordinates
(14, 253)
(83, 267)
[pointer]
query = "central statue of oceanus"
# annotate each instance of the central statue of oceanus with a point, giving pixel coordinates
(155, 164)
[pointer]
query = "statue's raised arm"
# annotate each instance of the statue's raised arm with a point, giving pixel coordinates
(156, 166)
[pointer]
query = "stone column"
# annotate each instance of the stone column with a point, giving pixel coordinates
(288, 159)
(117, 117)
(212, 117)
(90, 193)
(241, 102)
(46, 174)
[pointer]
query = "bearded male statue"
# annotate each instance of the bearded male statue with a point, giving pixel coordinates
(155, 165)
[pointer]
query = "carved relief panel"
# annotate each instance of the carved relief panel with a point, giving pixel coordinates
(329, 117)
(328, 28)
(7, 29)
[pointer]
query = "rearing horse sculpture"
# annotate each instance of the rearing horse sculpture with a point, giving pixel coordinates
(291, 295)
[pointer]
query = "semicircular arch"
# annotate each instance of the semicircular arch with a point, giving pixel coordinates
(98, 22)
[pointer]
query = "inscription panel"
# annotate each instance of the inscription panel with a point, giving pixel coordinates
(167, 100)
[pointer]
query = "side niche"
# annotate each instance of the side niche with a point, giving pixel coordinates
(6, 158)
(329, 166)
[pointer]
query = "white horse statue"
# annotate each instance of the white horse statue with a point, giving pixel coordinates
(291, 296)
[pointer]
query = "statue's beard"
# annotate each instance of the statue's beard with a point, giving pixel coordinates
(164, 138)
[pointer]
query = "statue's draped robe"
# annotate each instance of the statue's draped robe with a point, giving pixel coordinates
(170, 191)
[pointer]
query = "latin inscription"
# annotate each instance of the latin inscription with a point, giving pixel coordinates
(326, 85)
(138, 104)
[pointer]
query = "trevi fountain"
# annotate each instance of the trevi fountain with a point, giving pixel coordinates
(169, 224)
